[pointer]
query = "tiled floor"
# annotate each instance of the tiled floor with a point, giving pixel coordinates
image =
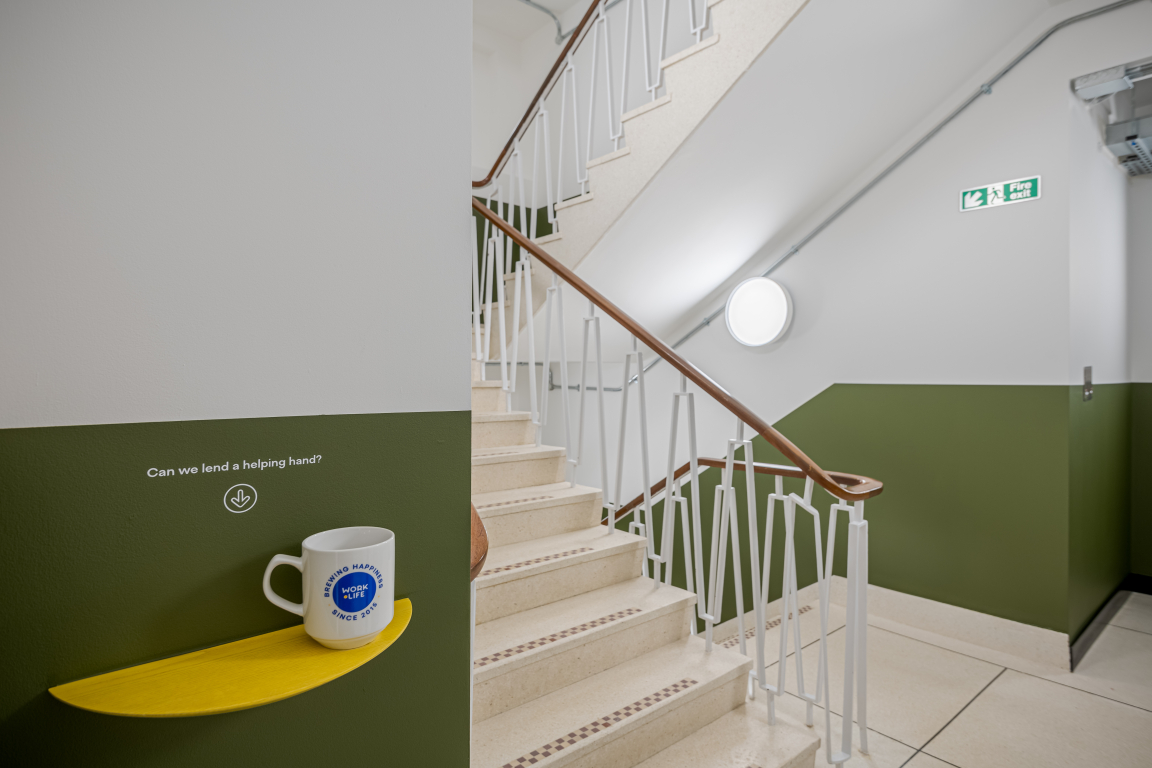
(935, 702)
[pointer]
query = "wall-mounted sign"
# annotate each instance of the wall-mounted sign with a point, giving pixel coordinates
(1001, 193)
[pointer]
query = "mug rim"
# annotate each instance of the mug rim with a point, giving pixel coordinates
(388, 536)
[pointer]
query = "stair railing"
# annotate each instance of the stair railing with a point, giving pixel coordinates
(849, 491)
(592, 55)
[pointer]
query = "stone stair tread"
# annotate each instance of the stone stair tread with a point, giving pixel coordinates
(481, 417)
(577, 619)
(505, 453)
(497, 503)
(586, 716)
(477, 384)
(552, 552)
(743, 738)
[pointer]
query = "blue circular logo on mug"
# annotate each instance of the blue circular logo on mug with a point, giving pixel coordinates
(354, 592)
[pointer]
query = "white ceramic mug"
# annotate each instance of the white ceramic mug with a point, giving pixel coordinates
(349, 577)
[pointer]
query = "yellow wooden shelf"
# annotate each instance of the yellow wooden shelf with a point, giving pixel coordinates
(227, 678)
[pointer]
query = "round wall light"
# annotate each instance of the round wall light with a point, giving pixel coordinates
(758, 312)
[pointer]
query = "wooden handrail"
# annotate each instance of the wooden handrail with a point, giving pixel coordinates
(573, 40)
(783, 470)
(479, 545)
(866, 490)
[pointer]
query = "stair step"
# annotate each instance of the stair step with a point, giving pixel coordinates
(516, 466)
(536, 512)
(530, 654)
(585, 198)
(622, 152)
(523, 576)
(618, 717)
(643, 108)
(707, 42)
(488, 397)
(496, 429)
(743, 737)
(545, 239)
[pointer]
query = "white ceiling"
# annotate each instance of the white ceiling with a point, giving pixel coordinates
(515, 19)
(843, 83)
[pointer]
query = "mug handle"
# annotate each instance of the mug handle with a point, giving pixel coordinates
(279, 602)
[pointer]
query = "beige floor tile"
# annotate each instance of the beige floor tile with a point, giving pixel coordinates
(1118, 665)
(914, 688)
(883, 752)
(1023, 721)
(1136, 613)
(1098, 673)
(923, 760)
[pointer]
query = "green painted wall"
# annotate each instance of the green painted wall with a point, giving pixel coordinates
(1099, 516)
(975, 507)
(1008, 500)
(104, 567)
(1141, 551)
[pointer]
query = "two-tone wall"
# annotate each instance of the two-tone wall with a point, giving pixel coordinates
(943, 351)
(219, 224)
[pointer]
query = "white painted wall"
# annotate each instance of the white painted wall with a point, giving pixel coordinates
(1140, 278)
(905, 288)
(1097, 253)
(226, 209)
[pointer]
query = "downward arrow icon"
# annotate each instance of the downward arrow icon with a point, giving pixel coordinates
(240, 499)
(973, 199)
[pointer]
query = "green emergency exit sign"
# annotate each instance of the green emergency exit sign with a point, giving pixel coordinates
(1001, 193)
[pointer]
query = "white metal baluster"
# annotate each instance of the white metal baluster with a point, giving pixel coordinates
(697, 544)
(644, 459)
(583, 386)
(536, 148)
(546, 375)
(693, 27)
(785, 590)
(716, 584)
(489, 270)
(560, 141)
(526, 265)
(525, 217)
(620, 447)
(571, 476)
(822, 659)
(669, 480)
(547, 170)
(734, 522)
(514, 343)
(600, 404)
(595, 32)
(476, 307)
(757, 595)
(503, 336)
(613, 134)
(852, 631)
(663, 48)
(862, 618)
(627, 50)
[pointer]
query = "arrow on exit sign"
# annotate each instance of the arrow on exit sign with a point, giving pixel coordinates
(1001, 193)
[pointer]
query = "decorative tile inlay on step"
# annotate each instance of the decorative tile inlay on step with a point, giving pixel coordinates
(544, 559)
(603, 723)
(515, 501)
(732, 642)
(508, 652)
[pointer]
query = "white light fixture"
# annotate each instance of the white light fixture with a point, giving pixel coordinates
(758, 312)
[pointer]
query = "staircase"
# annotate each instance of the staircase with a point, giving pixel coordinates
(578, 660)
(692, 82)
